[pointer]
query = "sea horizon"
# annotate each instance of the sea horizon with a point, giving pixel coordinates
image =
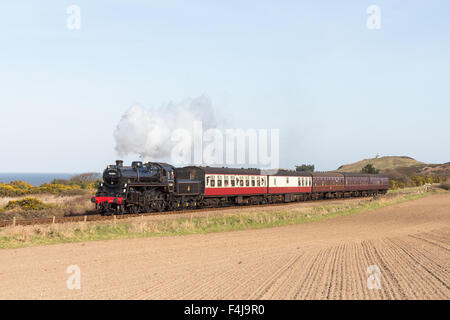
(34, 178)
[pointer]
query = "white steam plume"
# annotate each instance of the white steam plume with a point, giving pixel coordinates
(148, 132)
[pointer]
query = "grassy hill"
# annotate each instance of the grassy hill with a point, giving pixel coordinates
(382, 163)
(403, 171)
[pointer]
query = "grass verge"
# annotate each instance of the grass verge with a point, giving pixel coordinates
(23, 236)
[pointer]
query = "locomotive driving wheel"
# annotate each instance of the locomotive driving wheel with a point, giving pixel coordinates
(172, 205)
(160, 205)
(133, 209)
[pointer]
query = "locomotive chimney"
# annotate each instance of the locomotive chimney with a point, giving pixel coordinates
(119, 163)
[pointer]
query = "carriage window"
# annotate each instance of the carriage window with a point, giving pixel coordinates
(208, 179)
(247, 181)
(274, 181)
(299, 182)
(233, 181)
(213, 181)
(253, 182)
(241, 181)
(263, 182)
(258, 181)
(219, 181)
(225, 181)
(287, 179)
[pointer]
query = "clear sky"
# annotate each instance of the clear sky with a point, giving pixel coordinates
(338, 91)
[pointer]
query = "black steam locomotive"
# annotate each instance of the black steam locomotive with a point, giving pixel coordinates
(143, 187)
(156, 186)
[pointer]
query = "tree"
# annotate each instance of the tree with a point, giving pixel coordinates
(86, 180)
(305, 167)
(369, 168)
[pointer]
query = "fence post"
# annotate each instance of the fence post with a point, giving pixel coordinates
(85, 219)
(53, 222)
(14, 222)
(114, 218)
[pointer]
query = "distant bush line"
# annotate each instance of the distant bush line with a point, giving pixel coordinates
(415, 181)
(76, 185)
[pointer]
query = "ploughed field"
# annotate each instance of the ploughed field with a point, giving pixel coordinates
(408, 242)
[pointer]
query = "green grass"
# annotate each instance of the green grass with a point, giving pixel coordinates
(196, 224)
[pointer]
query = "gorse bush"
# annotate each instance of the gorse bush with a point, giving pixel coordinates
(21, 185)
(27, 204)
(57, 188)
(15, 188)
(7, 190)
(397, 184)
(421, 180)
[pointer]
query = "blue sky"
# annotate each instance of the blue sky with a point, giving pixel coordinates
(337, 91)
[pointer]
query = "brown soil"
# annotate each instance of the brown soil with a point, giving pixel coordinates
(409, 242)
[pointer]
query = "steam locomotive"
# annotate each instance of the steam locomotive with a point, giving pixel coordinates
(156, 186)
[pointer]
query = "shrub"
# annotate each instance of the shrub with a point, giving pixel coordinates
(57, 188)
(7, 190)
(89, 180)
(21, 185)
(15, 188)
(84, 180)
(27, 204)
(60, 181)
(305, 167)
(397, 184)
(421, 180)
(369, 168)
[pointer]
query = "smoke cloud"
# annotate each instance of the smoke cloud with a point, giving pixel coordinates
(149, 132)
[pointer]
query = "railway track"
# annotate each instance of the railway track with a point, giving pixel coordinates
(92, 216)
